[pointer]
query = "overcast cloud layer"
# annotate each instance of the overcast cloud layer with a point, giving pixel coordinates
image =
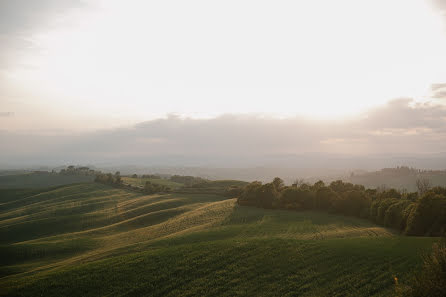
(172, 58)
(400, 128)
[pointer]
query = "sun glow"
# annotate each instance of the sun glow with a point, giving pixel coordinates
(143, 59)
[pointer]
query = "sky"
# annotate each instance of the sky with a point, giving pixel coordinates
(361, 76)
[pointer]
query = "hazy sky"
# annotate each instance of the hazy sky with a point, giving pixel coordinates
(333, 67)
(68, 64)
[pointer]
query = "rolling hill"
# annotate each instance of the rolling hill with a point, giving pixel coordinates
(40, 180)
(92, 239)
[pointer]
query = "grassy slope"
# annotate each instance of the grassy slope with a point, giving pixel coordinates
(142, 181)
(40, 180)
(92, 240)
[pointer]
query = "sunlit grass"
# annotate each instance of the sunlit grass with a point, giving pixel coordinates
(91, 239)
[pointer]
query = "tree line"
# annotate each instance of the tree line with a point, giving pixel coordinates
(83, 170)
(116, 181)
(420, 213)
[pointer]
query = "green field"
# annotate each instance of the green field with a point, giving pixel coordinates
(40, 180)
(138, 181)
(95, 240)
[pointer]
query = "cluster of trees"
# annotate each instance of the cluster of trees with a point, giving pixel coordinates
(411, 213)
(72, 170)
(108, 178)
(116, 180)
(153, 176)
(151, 188)
(405, 170)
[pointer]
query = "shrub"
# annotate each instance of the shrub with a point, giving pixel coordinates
(431, 280)
(394, 215)
(428, 217)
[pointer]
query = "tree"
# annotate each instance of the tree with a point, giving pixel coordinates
(428, 217)
(394, 215)
(325, 197)
(319, 184)
(389, 193)
(353, 203)
(423, 185)
(249, 194)
(118, 179)
(384, 204)
(278, 183)
(296, 198)
(267, 195)
(298, 182)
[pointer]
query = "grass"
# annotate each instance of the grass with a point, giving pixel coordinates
(138, 181)
(40, 180)
(91, 239)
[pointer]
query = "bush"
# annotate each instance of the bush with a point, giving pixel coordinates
(351, 203)
(428, 217)
(384, 204)
(249, 195)
(431, 280)
(394, 215)
(296, 198)
(425, 216)
(324, 198)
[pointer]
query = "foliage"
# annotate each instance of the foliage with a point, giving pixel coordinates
(97, 240)
(406, 212)
(431, 280)
(151, 176)
(109, 178)
(150, 188)
(428, 217)
(82, 170)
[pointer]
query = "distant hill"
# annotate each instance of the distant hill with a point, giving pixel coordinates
(399, 178)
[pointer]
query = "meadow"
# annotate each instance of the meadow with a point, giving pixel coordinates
(138, 181)
(40, 180)
(92, 239)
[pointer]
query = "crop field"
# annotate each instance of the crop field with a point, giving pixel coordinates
(40, 180)
(138, 181)
(95, 240)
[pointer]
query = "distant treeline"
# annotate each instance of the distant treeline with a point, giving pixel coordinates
(83, 170)
(405, 170)
(414, 213)
(116, 180)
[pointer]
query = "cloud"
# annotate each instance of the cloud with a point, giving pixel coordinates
(440, 95)
(439, 91)
(440, 4)
(19, 19)
(436, 87)
(5, 114)
(399, 128)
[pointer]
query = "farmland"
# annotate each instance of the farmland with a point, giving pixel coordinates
(106, 241)
(40, 180)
